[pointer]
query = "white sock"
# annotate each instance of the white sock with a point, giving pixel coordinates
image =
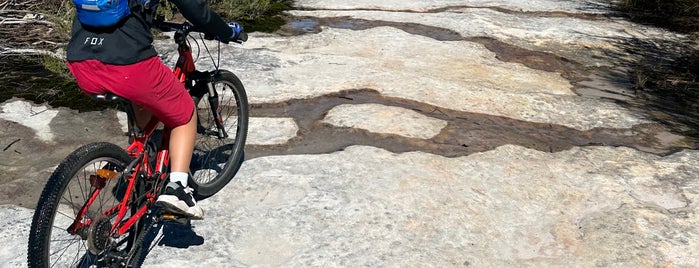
(180, 177)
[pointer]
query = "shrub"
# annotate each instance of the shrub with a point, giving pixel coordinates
(666, 7)
(254, 15)
(61, 12)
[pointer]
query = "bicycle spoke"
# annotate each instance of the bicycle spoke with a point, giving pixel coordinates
(72, 207)
(67, 246)
(82, 189)
(75, 259)
(71, 192)
(63, 251)
(63, 240)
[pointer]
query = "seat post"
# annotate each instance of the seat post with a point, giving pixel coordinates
(127, 107)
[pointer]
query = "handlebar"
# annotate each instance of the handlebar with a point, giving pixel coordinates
(182, 30)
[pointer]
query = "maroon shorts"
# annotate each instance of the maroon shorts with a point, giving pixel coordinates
(148, 83)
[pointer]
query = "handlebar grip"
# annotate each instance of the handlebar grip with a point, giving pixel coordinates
(242, 37)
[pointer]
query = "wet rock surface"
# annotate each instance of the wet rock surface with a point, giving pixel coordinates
(418, 133)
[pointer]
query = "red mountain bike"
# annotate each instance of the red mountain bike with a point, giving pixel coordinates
(98, 205)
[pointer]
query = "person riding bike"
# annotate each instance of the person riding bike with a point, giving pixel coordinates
(121, 60)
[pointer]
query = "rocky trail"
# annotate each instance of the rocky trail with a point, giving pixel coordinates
(436, 133)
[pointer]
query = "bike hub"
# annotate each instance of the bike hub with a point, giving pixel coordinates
(98, 238)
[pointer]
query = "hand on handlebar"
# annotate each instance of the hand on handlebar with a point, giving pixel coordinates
(238, 35)
(236, 28)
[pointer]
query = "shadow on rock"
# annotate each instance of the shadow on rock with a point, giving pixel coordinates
(662, 78)
(180, 236)
(174, 235)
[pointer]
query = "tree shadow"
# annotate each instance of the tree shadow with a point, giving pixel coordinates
(658, 74)
(661, 75)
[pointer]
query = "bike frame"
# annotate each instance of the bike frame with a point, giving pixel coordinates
(140, 168)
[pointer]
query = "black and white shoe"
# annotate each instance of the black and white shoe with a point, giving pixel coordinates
(179, 200)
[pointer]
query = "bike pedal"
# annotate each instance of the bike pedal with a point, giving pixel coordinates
(176, 218)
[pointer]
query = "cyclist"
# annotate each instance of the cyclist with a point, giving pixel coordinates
(121, 60)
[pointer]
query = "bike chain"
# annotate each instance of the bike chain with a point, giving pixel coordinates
(153, 220)
(139, 241)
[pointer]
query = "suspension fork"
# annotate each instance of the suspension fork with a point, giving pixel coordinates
(200, 84)
(186, 73)
(216, 110)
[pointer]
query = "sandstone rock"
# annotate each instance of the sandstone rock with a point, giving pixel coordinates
(269, 131)
(459, 75)
(383, 119)
(365, 206)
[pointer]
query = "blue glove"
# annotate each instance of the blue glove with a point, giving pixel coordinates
(237, 30)
(238, 35)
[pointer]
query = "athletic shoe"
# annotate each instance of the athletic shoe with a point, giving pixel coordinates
(179, 200)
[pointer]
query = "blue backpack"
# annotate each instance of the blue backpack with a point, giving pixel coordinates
(103, 13)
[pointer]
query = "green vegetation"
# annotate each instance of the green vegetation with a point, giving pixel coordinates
(250, 10)
(670, 7)
(60, 13)
(677, 15)
(54, 65)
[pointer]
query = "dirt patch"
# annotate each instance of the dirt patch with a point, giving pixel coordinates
(544, 61)
(465, 134)
(549, 14)
(304, 25)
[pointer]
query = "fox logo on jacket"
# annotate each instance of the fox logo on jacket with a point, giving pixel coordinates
(93, 41)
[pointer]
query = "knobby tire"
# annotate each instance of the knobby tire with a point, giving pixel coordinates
(63, 186)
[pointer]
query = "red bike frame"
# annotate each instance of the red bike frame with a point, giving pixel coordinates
(141, 170)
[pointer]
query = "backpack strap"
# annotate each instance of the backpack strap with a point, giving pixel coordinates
(145, 9)
(138, 6)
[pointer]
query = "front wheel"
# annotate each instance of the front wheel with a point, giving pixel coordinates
(73, 218)
(217, 157)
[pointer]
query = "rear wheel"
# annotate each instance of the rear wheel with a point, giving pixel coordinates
(89, 180)
(217, 159)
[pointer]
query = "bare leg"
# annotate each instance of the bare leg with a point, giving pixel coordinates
(182, 145)
(181, 140)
